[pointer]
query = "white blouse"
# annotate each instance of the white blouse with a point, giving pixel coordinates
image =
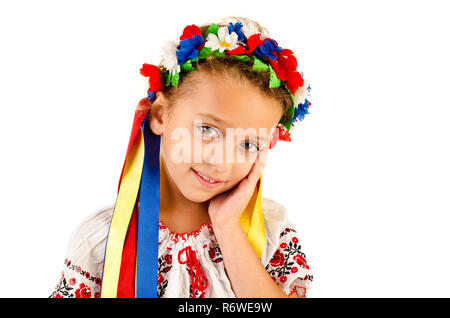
(184, 256)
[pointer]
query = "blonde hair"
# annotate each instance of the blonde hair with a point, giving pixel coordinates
(227, 66)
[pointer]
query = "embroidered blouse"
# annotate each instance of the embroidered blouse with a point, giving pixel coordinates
(185, 258)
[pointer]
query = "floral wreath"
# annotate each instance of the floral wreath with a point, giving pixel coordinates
(242, 42)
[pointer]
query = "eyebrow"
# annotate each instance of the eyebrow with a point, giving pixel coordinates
(221, 121)
(215, 118)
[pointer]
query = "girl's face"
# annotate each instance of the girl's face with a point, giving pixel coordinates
(215, 131)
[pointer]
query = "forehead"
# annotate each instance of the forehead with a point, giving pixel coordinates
(231, 104)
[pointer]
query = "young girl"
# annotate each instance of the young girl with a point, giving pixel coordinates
(189, 219)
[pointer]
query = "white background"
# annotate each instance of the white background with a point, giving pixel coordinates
(366, 178)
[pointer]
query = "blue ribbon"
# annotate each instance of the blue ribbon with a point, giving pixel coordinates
(148, 218)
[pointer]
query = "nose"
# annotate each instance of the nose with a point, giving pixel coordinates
(219, 155)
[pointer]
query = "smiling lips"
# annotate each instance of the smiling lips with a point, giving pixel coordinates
(205, 179)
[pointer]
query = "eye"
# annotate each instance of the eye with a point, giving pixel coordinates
(252, 144)
(208, 131)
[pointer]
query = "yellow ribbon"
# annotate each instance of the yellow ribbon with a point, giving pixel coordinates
(252, 221)
(123, 210)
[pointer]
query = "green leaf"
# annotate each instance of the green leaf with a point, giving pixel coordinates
(175, 79)
(204, 52)
(244, 58)
(274, 80)
(213, 28)
(168, 79)
(187, 66)
(292, 95)
(219, 54)
(287, 123)
(259, 65)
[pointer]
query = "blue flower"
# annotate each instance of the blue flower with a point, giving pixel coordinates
(301, 111)
(266, 49)
(187, 49)
(237, 29)
(151, 96)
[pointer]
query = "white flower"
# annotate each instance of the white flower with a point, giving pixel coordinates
(301, 93)
(250, 28)
(169, 57)
(224, 40)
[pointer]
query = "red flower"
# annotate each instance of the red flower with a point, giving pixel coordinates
(294, 269)
(97, 295)
(283, 245)
(284, 135)
(277, 259)
(253, 42)
(285, 67)
(285, 64)
(283, 279)
(168, 259)
(294, 81)
(78, 269)
(154, 75)
(98, 280)
(240, 50)
(295, 240)
(72, 281)
(160, 278)
(83, 292)
(58, 296)
(189, 31)
(87, 275)
(301, 261)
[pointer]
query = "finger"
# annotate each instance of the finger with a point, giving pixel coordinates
(258, 167)
(263, 155)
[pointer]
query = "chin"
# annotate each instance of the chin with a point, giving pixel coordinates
(196, 196)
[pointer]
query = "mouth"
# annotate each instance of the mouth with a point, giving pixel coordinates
(205, 179)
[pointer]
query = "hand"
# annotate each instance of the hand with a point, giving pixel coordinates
(227, 207)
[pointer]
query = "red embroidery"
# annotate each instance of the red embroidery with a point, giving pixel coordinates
(168, 258)
(283, 263)
(198, 279)
(277, 259)
(82, 272)
(302, 293)
(72, 287)
(301, 261)
(160, 278)
(83, 292)
(176, 237)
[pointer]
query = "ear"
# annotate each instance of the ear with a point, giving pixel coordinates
(158, 113)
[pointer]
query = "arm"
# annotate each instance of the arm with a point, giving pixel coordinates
(247, 274)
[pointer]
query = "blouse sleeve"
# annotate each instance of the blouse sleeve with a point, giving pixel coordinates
(83, 266)
(76, 282)
(288, 266)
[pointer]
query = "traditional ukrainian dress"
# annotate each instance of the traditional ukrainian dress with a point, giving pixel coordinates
(182, 258)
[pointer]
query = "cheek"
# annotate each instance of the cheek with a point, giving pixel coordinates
(176, 156)
(239, 172)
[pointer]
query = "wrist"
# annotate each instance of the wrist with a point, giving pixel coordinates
(229, 227)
